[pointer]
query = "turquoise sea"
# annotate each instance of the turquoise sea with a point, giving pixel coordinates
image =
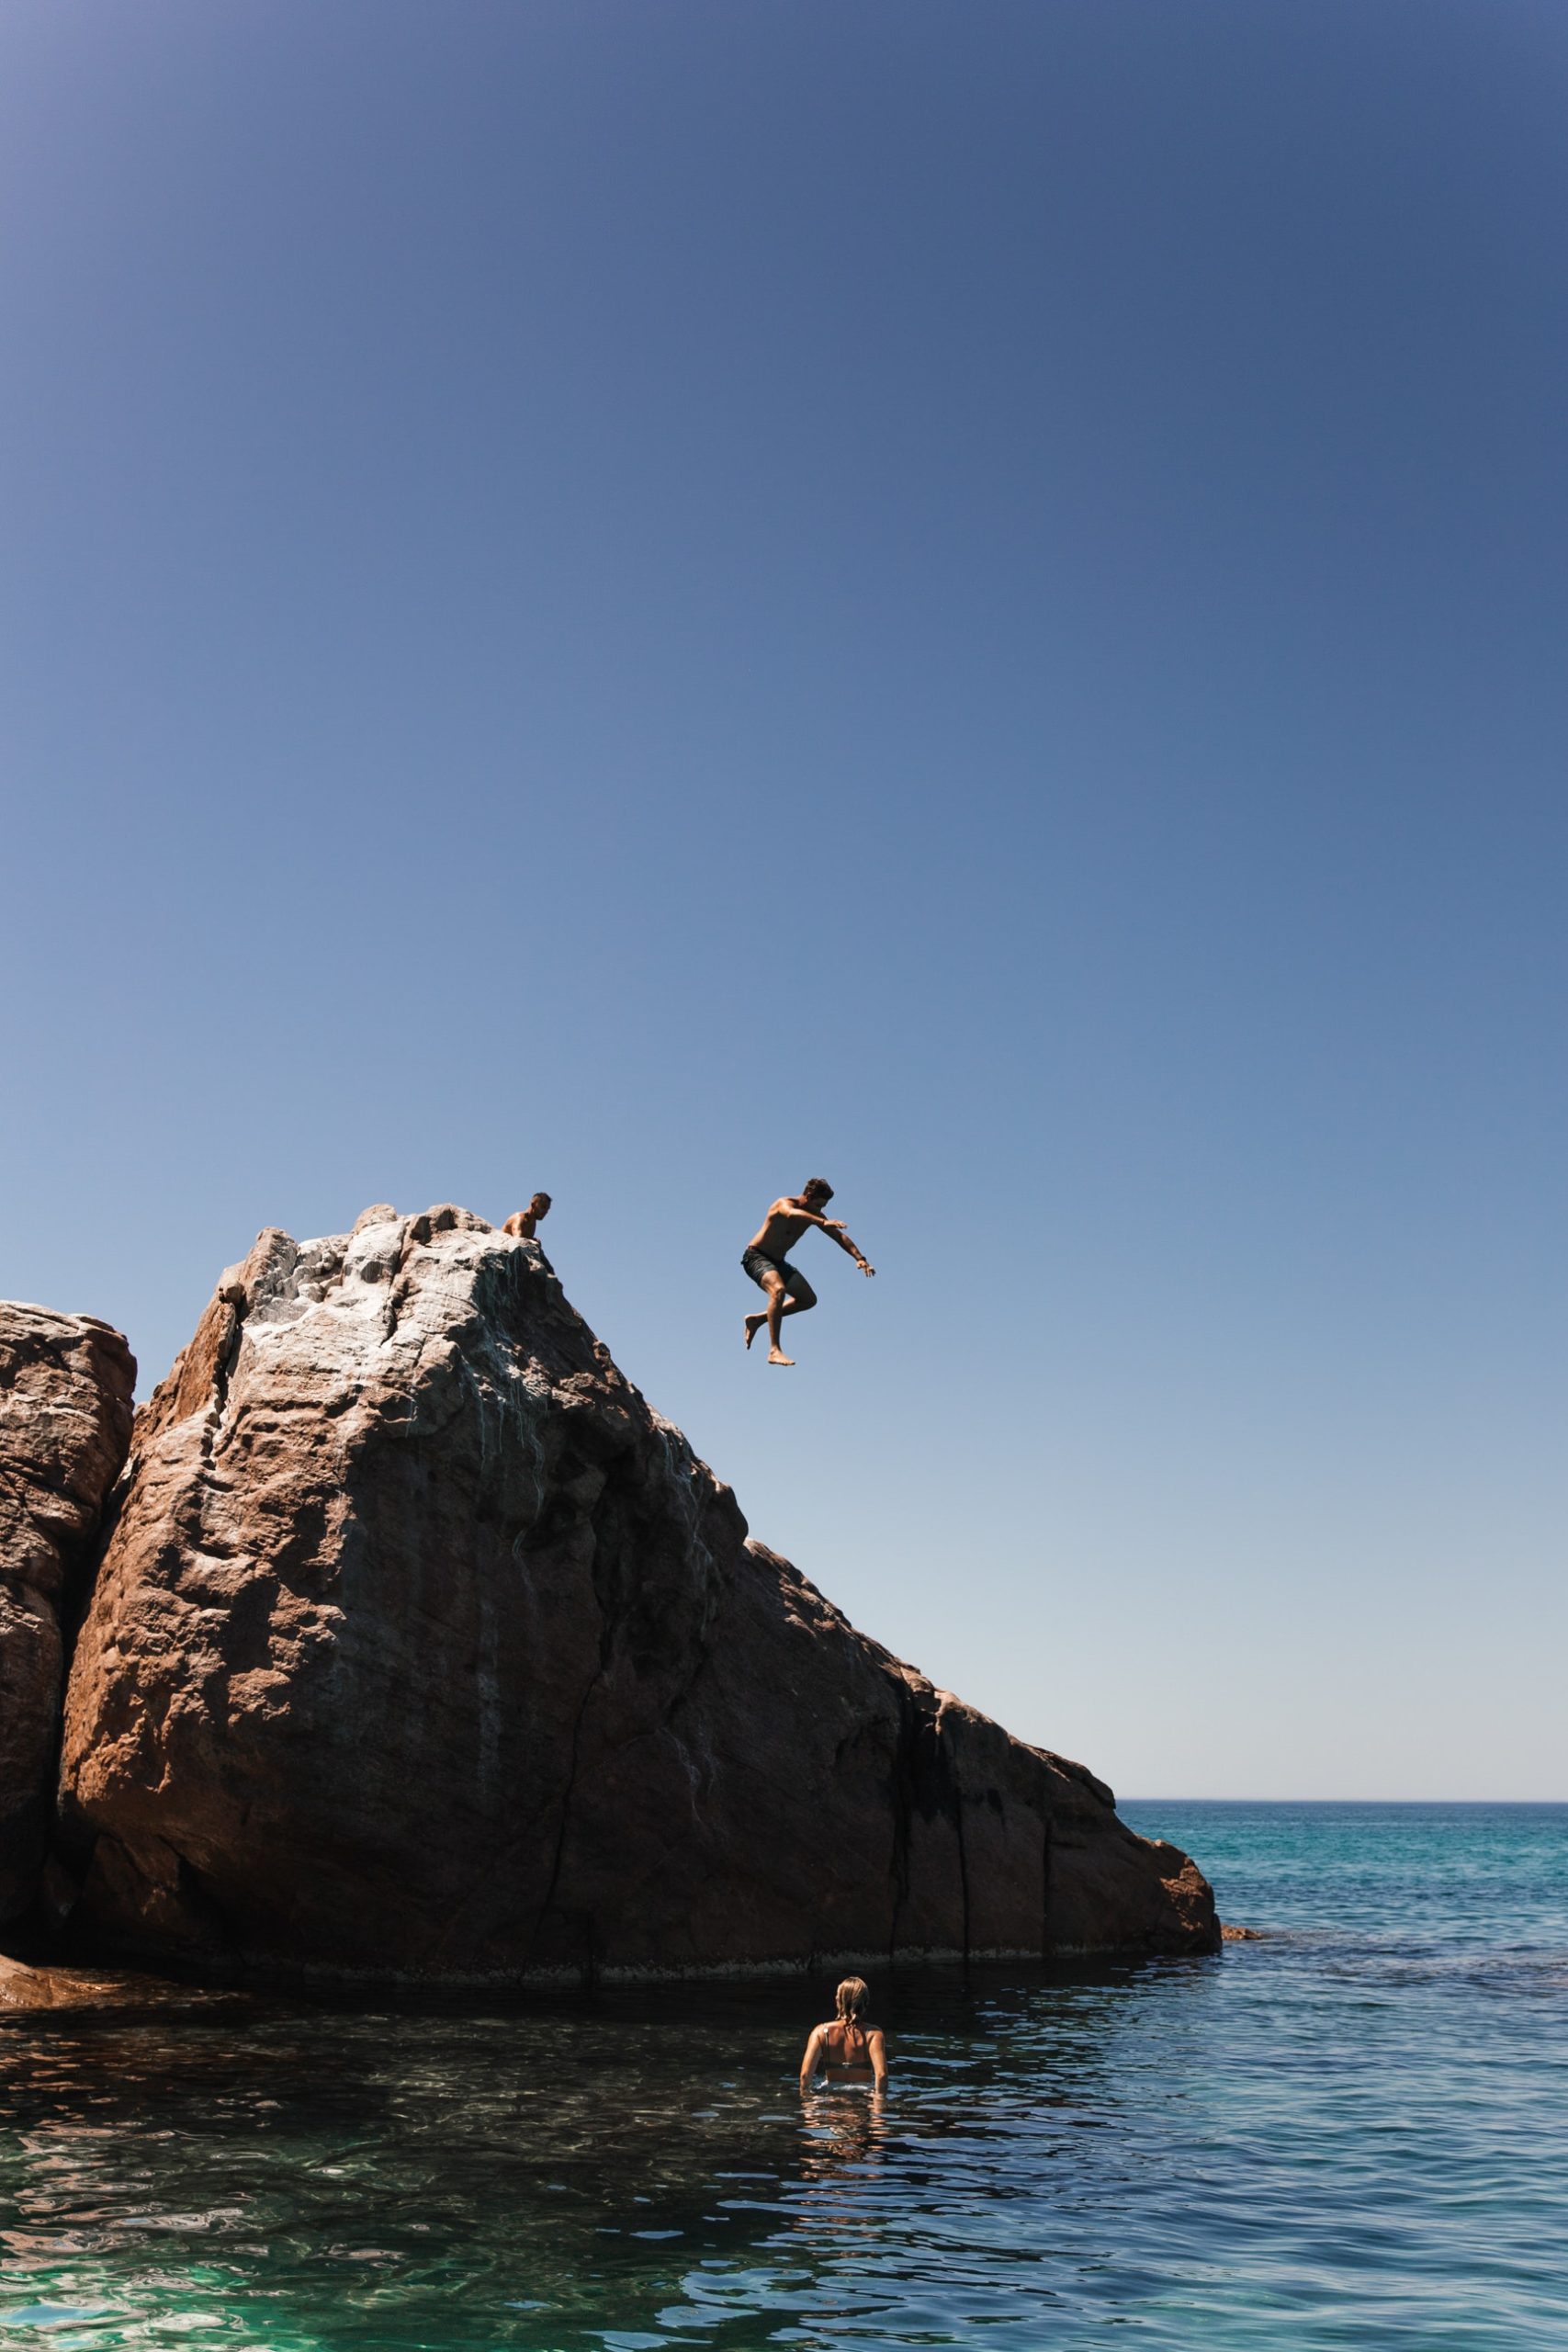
(1352, 2133)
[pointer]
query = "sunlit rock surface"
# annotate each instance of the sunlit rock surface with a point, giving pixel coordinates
(424, 1646)
(66, 1382)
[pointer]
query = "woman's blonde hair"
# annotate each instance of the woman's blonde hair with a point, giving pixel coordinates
(851, 1999)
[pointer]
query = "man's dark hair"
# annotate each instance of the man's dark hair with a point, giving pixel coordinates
(541, 1196)
(819, 1185)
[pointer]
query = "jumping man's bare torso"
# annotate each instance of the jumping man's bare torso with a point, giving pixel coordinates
(781, 1229)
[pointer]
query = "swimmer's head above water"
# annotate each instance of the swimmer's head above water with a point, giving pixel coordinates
(852, 1999)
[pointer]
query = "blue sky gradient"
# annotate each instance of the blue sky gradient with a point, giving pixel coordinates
(652, 598)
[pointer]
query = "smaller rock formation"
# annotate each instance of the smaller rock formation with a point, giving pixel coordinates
(66, 1382)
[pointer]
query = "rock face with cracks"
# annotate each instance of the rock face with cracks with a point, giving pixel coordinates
(423, 1646)
(66, 1382)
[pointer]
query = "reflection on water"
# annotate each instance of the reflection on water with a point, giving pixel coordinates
(1353, 2132)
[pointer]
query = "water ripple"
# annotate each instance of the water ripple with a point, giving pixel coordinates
(1354, 2132)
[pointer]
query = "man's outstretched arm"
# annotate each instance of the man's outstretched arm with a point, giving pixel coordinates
(835, 1232)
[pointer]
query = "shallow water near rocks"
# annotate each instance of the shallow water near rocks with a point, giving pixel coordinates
(1352, 2133)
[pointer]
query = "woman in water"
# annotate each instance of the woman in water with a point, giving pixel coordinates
(847, 2051)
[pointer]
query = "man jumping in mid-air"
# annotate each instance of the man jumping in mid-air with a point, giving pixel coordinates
(763, 1258)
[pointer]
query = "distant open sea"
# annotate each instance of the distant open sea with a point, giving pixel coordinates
(1353, 2132)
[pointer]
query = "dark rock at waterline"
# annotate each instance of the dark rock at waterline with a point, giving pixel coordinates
(66, 1382)
(423, 1646)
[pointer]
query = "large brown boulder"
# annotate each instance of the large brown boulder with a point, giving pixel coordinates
(66, 1382)
(423, 1646)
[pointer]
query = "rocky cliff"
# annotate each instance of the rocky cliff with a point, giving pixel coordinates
(66, 1382)
(423, 1646)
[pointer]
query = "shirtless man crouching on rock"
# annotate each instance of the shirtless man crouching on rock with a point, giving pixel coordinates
(764, 1260)
(525, 1223)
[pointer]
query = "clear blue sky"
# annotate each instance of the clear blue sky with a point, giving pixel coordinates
(650, 598)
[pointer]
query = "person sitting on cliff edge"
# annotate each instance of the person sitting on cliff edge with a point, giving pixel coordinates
(763, 1258)
(522, 1222)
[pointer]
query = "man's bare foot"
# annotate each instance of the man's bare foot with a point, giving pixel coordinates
(777, 1355)
(754, 1325)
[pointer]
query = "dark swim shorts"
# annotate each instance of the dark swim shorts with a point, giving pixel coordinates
(760, 1266)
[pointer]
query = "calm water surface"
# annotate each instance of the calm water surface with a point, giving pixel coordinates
(1353, 2132)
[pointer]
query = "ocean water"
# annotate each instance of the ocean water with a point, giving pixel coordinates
(1352, 2133)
